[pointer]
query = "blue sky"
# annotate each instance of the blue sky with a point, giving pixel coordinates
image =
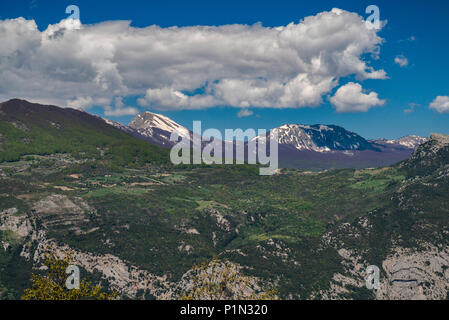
(417, 30)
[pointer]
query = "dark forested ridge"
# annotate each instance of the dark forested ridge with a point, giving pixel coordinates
(29, 128)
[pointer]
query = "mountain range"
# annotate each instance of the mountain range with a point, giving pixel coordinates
(309, 147)
(137, 224)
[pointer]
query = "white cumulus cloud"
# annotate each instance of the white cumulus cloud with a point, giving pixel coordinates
(292, 66)
(120, 109)
(440, 104)
(350, 98)
(401, 60)
(244, 113)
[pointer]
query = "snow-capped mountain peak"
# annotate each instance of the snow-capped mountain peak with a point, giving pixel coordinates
(410, 142)
(147, 123)
(319, 138)
(152, 127)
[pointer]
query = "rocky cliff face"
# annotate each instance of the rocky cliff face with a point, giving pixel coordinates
(415, 275)
(430, 155)
(63, 213)
(406, 274)
(414, 256)
(128, 279)
(120, 275)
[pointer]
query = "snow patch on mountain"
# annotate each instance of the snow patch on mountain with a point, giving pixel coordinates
(410, 142)
(318, 138)
(147, 123)
(119, 126)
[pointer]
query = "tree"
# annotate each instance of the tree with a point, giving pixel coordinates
(221, 280)
(52, 285)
